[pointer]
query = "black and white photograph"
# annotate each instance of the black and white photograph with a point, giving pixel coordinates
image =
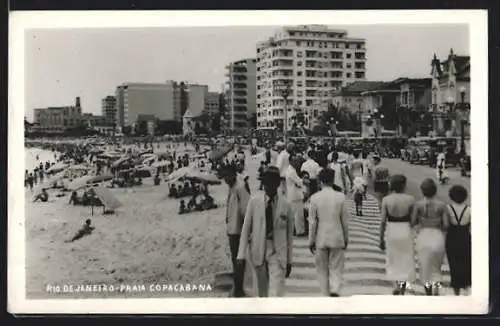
(335, 159)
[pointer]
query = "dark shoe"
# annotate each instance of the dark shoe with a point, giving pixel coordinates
(428, 289)
(334, 295)
(396, 291)
(456, 291)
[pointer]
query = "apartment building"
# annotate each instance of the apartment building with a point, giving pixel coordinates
(58, 119)
(108, 108)
(212, 103)
(165, 101)
(240, 94)
(315, 61)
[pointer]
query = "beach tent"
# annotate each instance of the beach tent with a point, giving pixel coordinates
(107, 198)
(78, 182)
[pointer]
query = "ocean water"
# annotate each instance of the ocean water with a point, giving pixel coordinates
(30, 161)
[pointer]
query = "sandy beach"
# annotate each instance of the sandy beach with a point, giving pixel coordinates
(145, 242)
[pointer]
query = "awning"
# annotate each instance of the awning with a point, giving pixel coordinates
(107, 198)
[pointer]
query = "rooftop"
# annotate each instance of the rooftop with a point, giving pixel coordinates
(358, 87)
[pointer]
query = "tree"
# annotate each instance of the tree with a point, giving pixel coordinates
(127, 130)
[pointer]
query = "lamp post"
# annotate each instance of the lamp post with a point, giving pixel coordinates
(463, 122)
(284, 90)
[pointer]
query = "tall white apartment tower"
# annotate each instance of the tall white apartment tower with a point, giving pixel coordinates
(315, 61)
(240, 93)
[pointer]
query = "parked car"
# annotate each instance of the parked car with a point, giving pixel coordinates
(417, 150)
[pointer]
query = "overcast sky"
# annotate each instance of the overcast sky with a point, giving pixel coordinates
(65, 63)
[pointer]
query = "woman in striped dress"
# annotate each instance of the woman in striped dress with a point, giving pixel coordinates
(396, 236)
(430, 218)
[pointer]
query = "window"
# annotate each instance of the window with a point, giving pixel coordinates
(299, 73)
(299, 54)
(348, 55)
(348, 75)
(299, 83)
(299, 102)
(348, 66)
(299, 63)
(297, 43)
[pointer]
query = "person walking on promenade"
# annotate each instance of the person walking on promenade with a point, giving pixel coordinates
(283, 161)
(458, 239)
(341, 175)
(396, 235)
(328, 234)
(430, 217)
(441, 173)
(381, 179)
(237, 201)
(295, 195)
(312, 168)
(266, 237)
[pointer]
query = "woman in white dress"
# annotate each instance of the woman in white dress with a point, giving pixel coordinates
(441, 173)
(396, 236)
(429, 215)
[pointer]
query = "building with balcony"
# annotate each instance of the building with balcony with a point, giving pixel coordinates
(451, 94)
(315, 61)
(108, 108)
(212, 103)
(58, 119)
(240, 94)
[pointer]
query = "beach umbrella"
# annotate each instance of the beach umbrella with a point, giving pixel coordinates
(78, 182)
(58, 167)
(79, 167)
(203, 177)
(120, 161)
(179, 173)
(99, 178)
(96, 151)
(160, 164)
(107, 198)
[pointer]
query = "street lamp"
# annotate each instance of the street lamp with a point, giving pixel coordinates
(284, 90)
(463, 121)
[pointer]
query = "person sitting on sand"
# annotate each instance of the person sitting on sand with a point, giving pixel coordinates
(43, 196)
(85, 230)
(192, 204)
(172, 191)
(74, 199)
(182, 207)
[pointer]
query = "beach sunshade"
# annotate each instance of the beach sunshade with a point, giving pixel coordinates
(107, 198)
(160, 164)
(57, 168)
(78, 182)
(96, 150)
(219, 153)
(120, 161)
(179, 173)
(99, 178)
(203, 177)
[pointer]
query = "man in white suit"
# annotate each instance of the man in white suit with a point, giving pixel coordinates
(328, 237)
(266, 237)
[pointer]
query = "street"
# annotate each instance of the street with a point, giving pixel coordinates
(415, 174)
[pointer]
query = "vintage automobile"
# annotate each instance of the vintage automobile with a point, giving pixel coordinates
(451, 148)
(417, 150)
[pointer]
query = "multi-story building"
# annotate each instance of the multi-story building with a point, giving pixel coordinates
(196, 98)
(240, 93)
(212, 103)
(108, 108)
(349, 97)
(58, 119)
(451, 93)
(315, 61)
(165, 101)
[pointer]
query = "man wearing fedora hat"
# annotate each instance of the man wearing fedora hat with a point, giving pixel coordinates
(266, 237)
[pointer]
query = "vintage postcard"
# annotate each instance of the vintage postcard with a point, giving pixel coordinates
(317, 162)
